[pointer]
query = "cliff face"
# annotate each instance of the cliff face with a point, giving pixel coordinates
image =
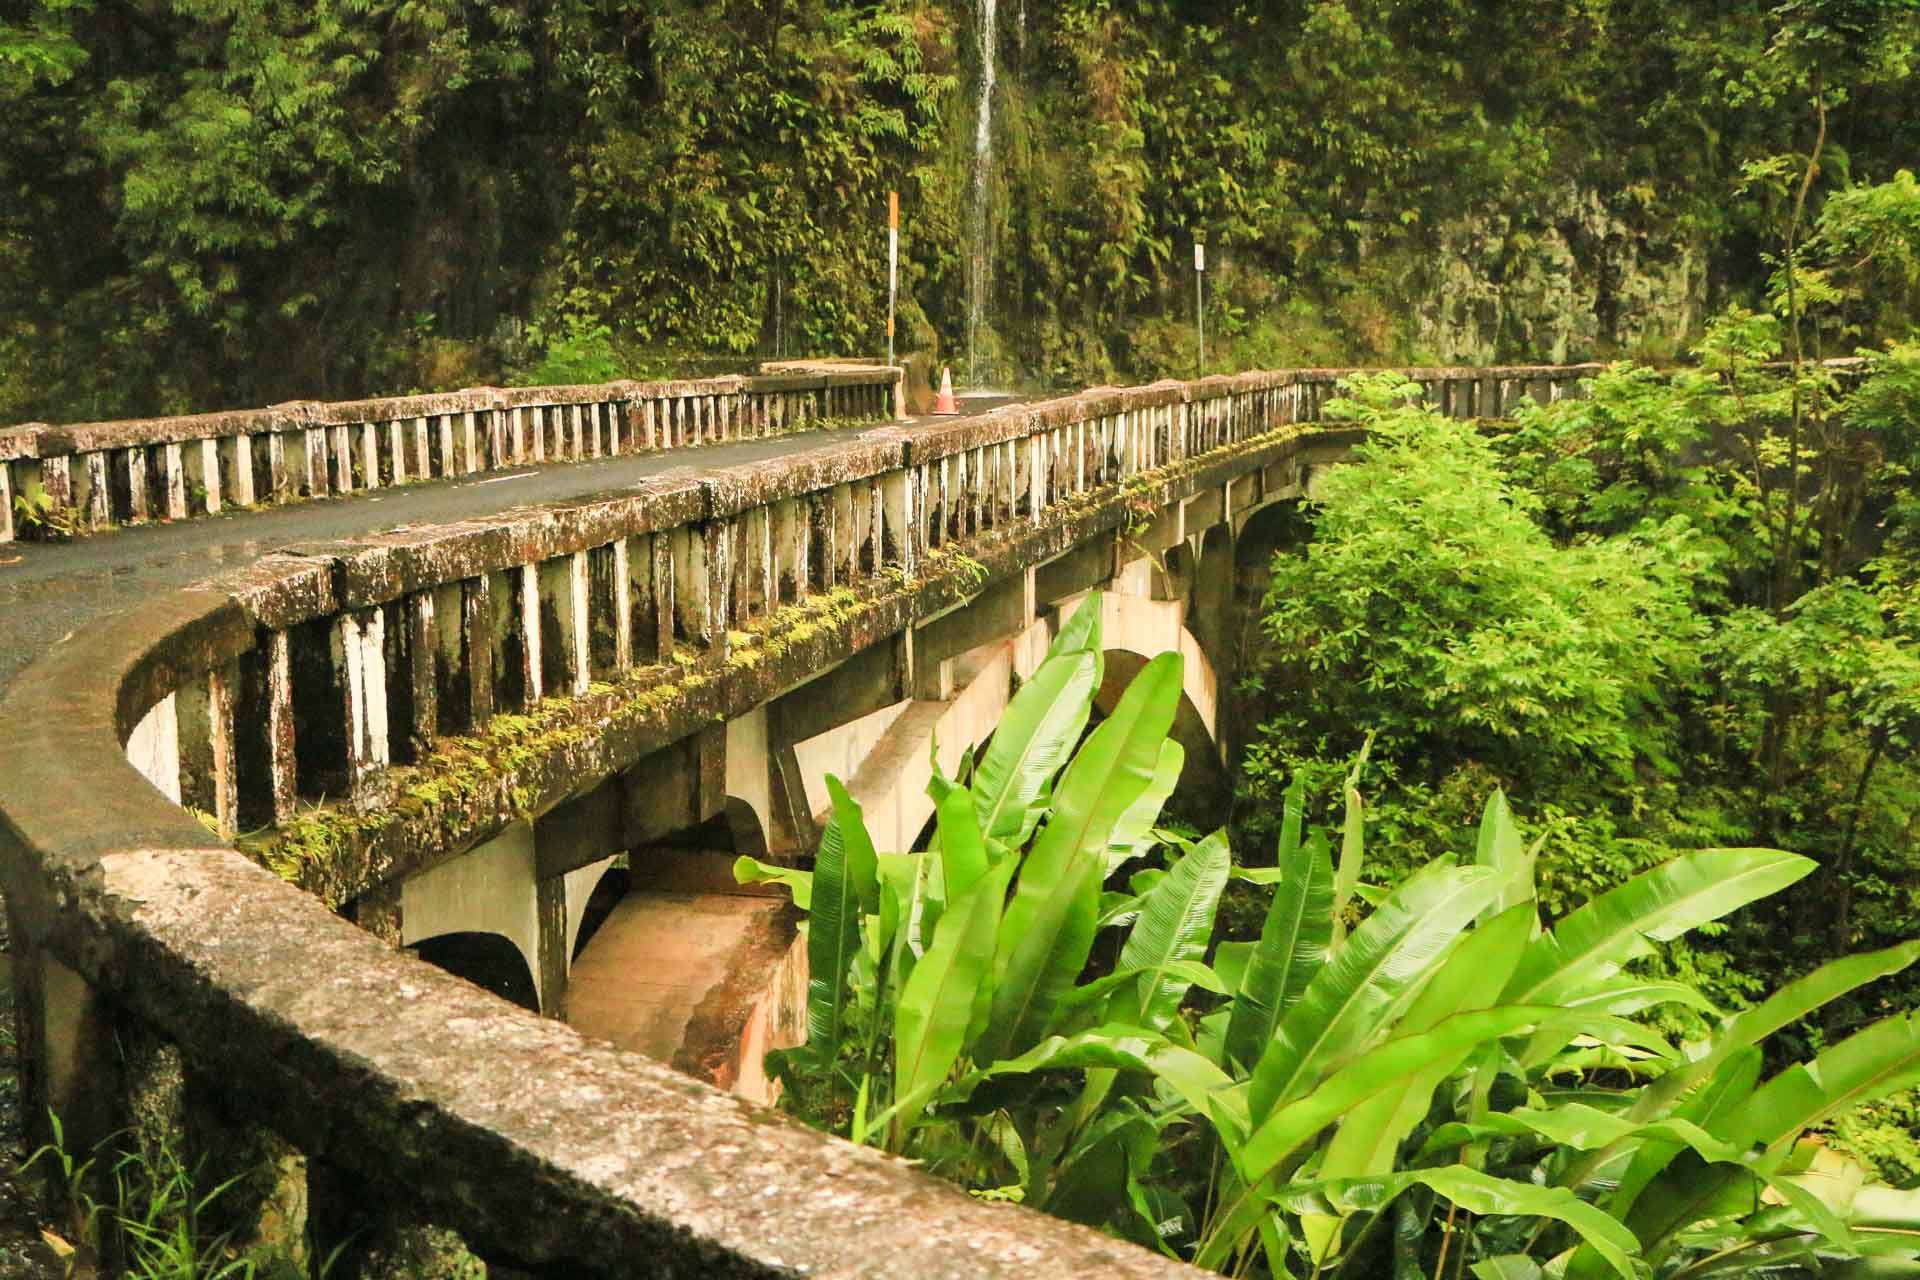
(1568, 280)
(685, 178)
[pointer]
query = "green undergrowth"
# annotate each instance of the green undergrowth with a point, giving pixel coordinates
(138, 1207)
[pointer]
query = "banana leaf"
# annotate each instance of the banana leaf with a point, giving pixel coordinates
(1038, 730)
(1134, 834)
(845, 887)
(937, 1002)
(753, 871)
(1592, 943)
(1348, 1002)
(1293, 942)
(1048, 929)
(1175, 924)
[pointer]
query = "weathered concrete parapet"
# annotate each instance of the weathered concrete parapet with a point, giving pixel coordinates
(108, 473)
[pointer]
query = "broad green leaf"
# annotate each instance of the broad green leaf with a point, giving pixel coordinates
(1134, 834)
(1507, 1266)
(1593, 943)
(1478, 1193)
(1487, 1196)
(1188, 973)
(1048, 929)
(899, 883)
(753, 871)
(1230, 961)
(1709, 1106)
(1387, 1066)
(845, 883)
(963, 850)
(1175, 923)
(936, 1004)
(1038, 730)
(1349, 1002)
(1787, 1005)
(1369, 1137)
(1115, 1046)
(1293, 941)
(1501, 848)
(1619, 996)
(1868, 1065)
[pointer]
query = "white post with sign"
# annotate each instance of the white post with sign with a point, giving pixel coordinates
(893, 263)
(1199, 300)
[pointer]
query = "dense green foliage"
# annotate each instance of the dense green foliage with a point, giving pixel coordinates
(209, 204)
(1439, 1063)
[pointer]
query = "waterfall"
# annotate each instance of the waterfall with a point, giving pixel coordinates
(979, 268)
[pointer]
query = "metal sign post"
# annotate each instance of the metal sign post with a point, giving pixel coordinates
(1199, 300)
(893, 263)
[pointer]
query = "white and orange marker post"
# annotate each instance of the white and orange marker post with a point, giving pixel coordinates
(893, 263)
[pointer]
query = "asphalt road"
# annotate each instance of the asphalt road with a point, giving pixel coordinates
(49, 590)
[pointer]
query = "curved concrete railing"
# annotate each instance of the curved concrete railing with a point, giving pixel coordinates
(99, 474)
(609, 626)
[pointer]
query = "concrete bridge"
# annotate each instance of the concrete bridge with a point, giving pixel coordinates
(278, 756)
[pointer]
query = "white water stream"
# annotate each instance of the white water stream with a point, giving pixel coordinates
(979, 265)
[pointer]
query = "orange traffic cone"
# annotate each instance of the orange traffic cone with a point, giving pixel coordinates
(944, 403)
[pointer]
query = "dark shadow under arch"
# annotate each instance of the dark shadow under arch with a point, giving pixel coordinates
(607, 892)
(487, 960)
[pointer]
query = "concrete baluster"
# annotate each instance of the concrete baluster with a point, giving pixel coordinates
(578, 623)
(340, 446)
(203, 468)
(818, 567)
(56, 481)
(282, 775)
(766, 568)
(470, 460)
(205, 717)
(396, 452)
(423, 674)
(1009, 487)
(660, 593)
(499, 448)
(526, 623)
(174, 473)
(281, 482)
(232, 470)
(740, 560)
(619, 606)
(99, 492)
(370, 454)
(534, 434)
(933, 495)
(477, 648)
(693, 615)
(894, 521)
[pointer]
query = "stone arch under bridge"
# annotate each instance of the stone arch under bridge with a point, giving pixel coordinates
(873, 721)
